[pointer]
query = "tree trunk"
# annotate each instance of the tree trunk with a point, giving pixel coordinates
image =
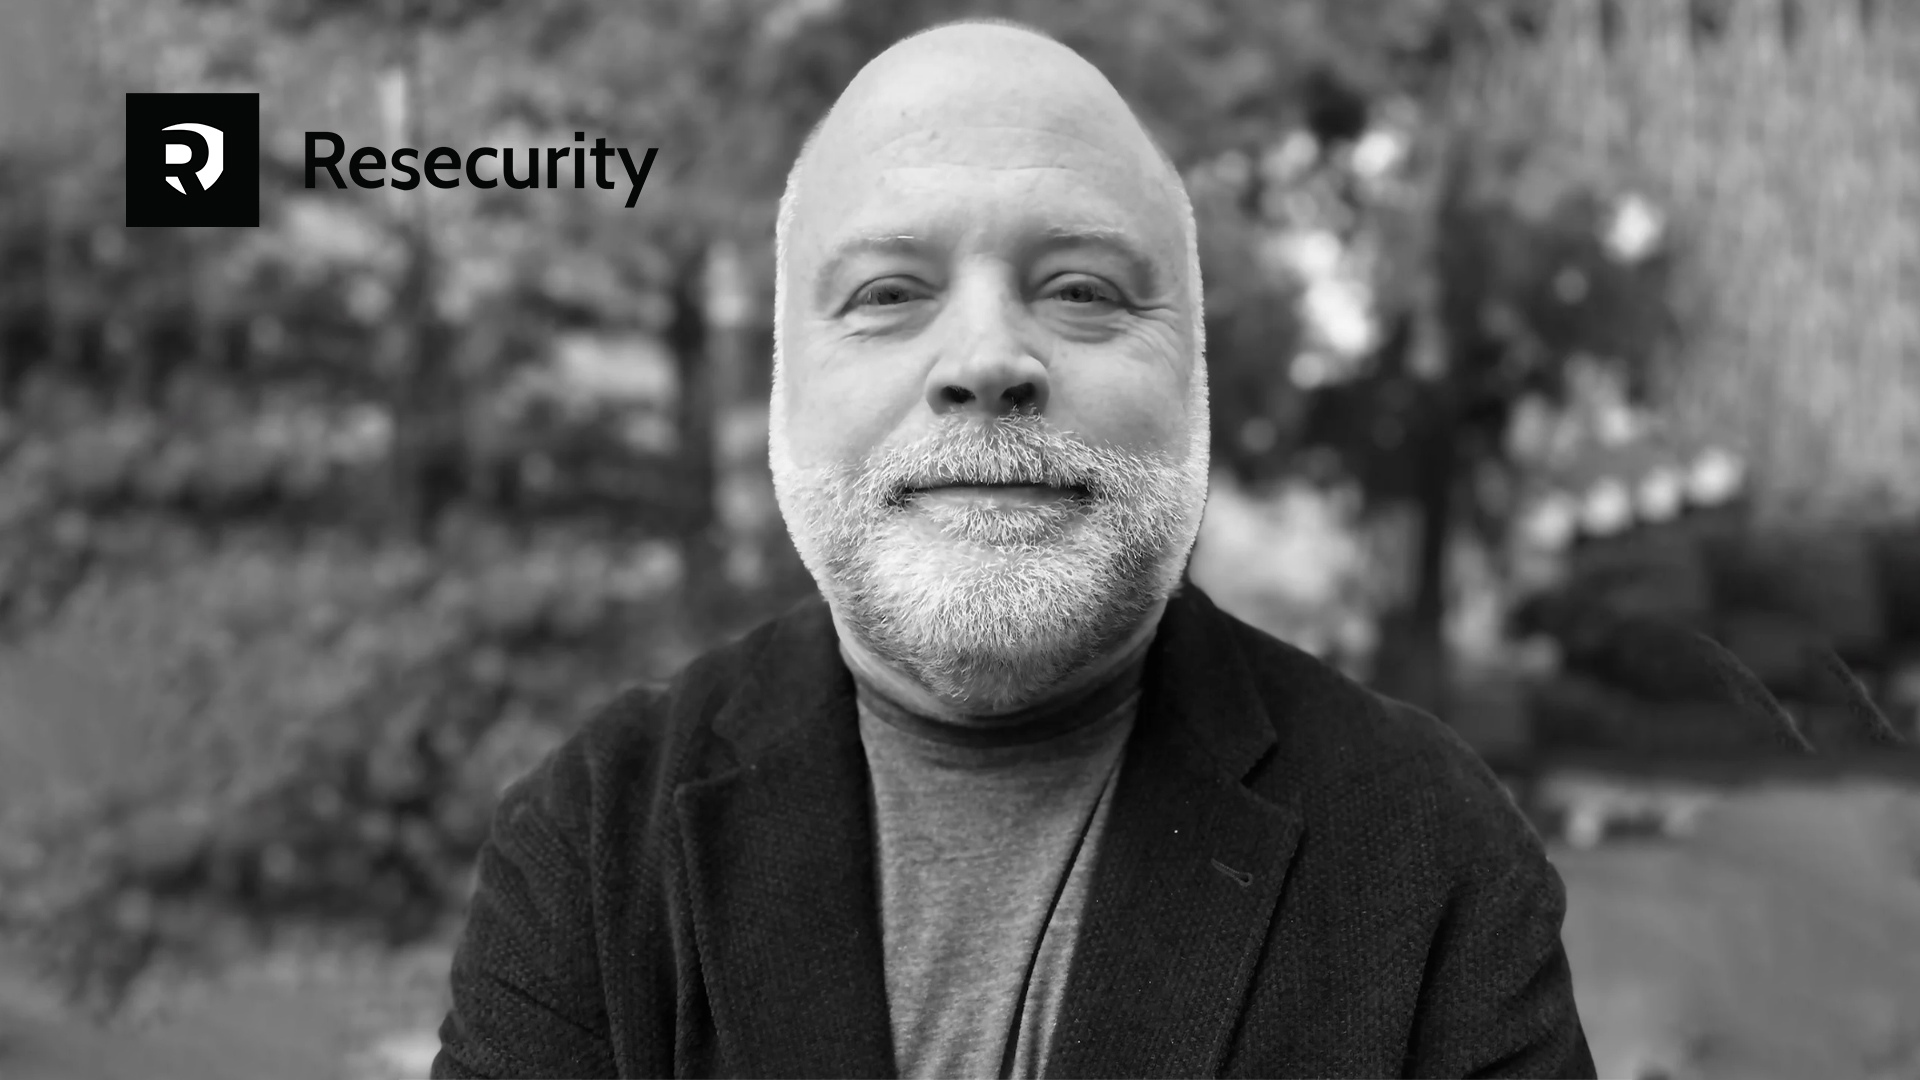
(687, 335)
(1412, 663)
(413, 343)
(408, 362)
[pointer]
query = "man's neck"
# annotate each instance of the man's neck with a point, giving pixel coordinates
(908, 692)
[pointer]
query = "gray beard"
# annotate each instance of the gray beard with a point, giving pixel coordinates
(988, 607)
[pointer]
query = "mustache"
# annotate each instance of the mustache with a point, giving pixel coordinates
(1014, 450)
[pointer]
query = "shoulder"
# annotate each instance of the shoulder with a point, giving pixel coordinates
(626, 756)
(1369, 765)
(1464, 809)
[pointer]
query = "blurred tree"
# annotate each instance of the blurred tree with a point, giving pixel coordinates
(1450, 261)
(1523, 289)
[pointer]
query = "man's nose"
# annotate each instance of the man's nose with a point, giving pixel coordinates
(986, 364)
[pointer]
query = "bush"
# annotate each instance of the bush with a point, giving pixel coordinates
(335, 723)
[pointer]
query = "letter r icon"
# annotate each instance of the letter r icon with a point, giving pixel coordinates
(203, 162)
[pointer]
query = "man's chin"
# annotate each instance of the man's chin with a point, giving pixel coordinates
(987, 608)
(992, 687)
(994, 663)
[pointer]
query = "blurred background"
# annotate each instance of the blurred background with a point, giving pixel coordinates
(1526, 320)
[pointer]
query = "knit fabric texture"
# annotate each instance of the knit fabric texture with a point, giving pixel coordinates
(1298, 877)
(986, 849)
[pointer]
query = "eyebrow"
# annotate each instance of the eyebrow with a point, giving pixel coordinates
(854, 247)
(1117, 241)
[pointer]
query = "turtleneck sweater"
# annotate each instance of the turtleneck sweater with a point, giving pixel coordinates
(987, 836)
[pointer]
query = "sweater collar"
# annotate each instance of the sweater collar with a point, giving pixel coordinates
(1086, 704)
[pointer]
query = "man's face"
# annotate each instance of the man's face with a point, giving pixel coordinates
(988, 453)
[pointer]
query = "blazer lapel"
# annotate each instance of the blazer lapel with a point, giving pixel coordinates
(1190, 868)
(780, 872)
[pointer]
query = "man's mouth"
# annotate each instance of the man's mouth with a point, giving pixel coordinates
(1003, 495)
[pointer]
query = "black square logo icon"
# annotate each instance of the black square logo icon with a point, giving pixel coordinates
(193, 159)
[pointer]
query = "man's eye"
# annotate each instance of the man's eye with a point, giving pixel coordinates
(1085, 291)
(886, 294)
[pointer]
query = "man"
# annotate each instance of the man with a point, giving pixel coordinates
(1013, 798)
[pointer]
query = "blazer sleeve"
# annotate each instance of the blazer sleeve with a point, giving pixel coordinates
(1498, 998)
(527, 998)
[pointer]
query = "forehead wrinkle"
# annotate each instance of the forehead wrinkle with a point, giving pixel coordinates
(861, 206)
(1100, 220)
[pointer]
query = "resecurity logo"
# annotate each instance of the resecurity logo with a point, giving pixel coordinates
(444, 167)
(193, 159)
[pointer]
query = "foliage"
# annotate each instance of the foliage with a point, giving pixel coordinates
(1417, 273)
(342, 717)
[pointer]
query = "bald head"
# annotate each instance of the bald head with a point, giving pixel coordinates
(989, 426)
(924, 94)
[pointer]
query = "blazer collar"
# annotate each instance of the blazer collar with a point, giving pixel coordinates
(1190, 868)
(778, 839)
(780, 869)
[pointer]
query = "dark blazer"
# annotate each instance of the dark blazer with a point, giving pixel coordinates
(1299, 878)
